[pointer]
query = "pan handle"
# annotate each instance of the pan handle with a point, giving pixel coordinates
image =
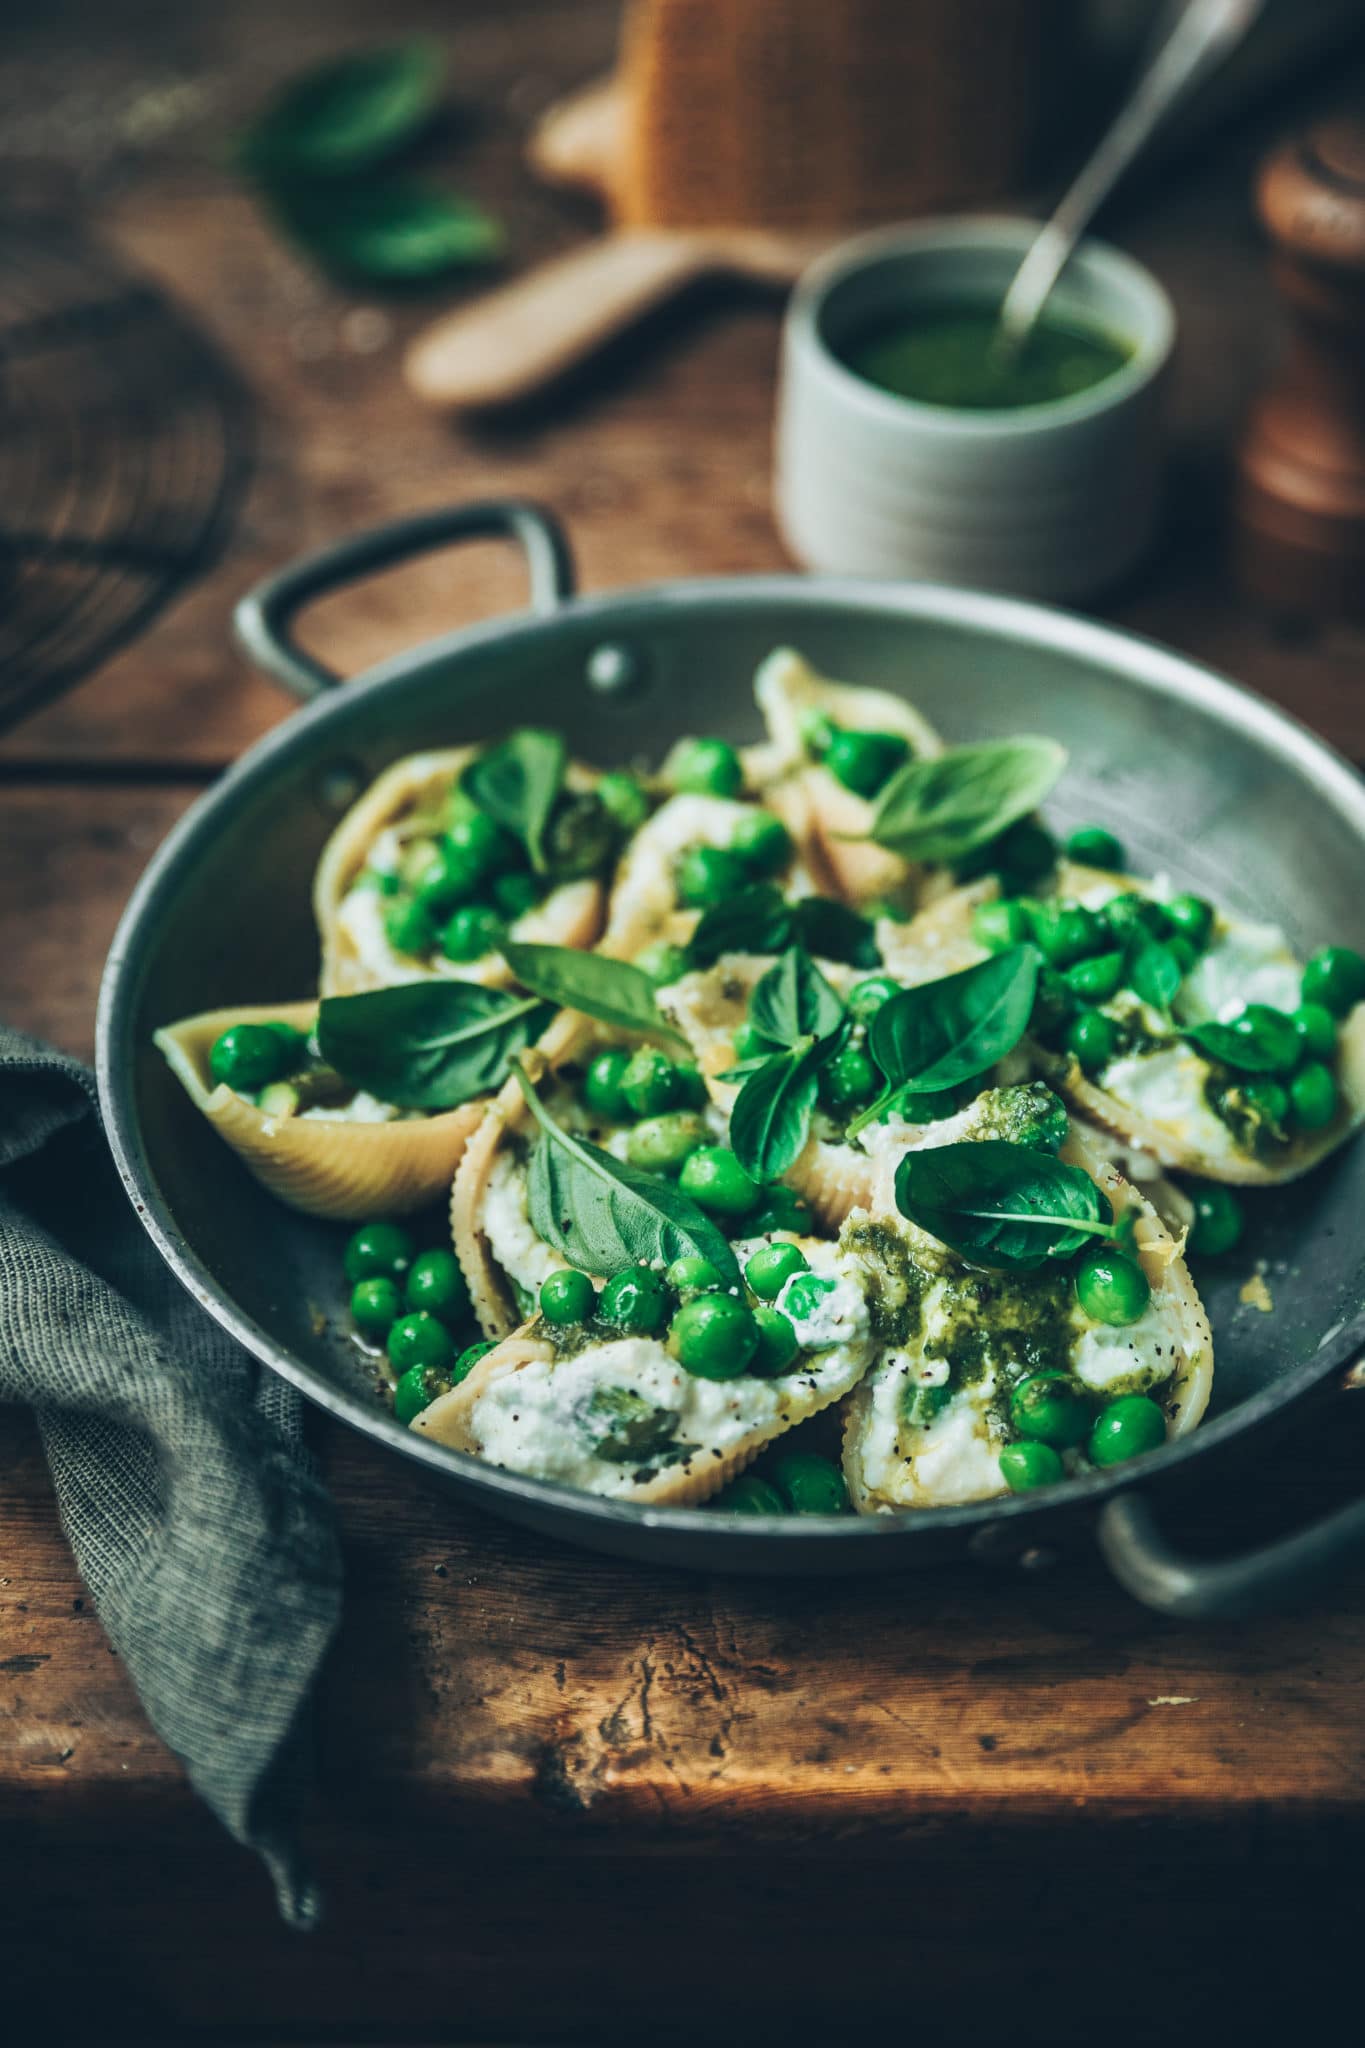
(264, 617)
(1147, 1565)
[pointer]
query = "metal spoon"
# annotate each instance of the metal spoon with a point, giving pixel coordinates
(1206, 32)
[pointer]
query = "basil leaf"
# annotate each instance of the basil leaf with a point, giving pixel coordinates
(1246, 1050)
(770, 1122)
(943, 809)
(428, 1044)
(396, 231)
(948, 1031)
(1001, 1205)
(517, 783)
(754, 920)
(1154, 974)
(834, 931)
(794, 1001)
(611, 990)
(604, 1214)
(347, 115)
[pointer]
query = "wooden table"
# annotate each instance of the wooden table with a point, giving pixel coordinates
(564, 1798)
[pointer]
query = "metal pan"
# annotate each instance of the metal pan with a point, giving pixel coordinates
(1202, 781)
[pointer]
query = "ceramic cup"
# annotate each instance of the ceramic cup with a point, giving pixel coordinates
(1055, 501)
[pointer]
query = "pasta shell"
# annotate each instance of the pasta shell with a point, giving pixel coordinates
(789, 690)
(782, 1404)
(971, 1474)
(569, 1038)
(939, 940)
(345, 1171)
(357, 955)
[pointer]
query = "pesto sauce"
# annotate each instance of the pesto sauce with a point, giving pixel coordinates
(946, 355)
(1019, 1323)
(893, 1284)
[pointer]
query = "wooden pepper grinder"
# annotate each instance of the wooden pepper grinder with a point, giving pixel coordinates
(1301, 470)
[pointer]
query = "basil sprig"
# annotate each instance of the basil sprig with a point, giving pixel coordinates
(517, 783)
(611, 990)
(1248, 1049)
(948, 1031)
(944, 809)
(1154, 973)
(604, 1214)
(757, 919)
(346, 115)
(794, 1007)
(428, 1044)
(1001, 1205)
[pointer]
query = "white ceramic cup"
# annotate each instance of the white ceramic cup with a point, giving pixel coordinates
(1055, 501)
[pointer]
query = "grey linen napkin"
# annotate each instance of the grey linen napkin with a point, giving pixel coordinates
(197, 1520)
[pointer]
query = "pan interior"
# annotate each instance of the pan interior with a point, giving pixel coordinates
(1201, 784)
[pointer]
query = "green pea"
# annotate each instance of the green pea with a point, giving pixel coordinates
(486, 846)
(1218, 1221)
(779, 1209)
(847, 1081)
(690, 1275)
(635, 1300)
(691, 1084)
(810, 1484)
(866, 997)
(1097, 979)
(750, 1044)
(375, 1306)
(1183, 952)
(714, 1177)
(567, 1297)
(1024, 853)
(1192, 918)
(706, 875)
(378, 1251)
(624, 799)
(514, 895)
(762, 842)
(469, 1358)
(769, 1270)
(713, 1337)
(1128, 914)
(750, 1495)
(817, 731)
(865, 761)
(804, 1293)
(246, 1057)
(419, 1339)
(450, 875)
(1067, 932)
(1127, 1428)
(1095, 848)
(409, 927)
(663, 963)
(1111, 1287)
(1273, 1032)
(602, 1092)
(1025, 1465)
(1317, 1028)
(1313, 1096)
(416, 1389)
(1092, 1040)
(660, 1144)
(706, 768)
(1052, 1409)
(1000, 924)
(474, 930)
(435, 1282)
(777, 1349)
(1335, 978)
(650, 1082)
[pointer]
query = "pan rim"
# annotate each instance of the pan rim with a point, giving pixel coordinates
(1140, 661)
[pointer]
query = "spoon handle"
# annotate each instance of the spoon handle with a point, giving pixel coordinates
(1206, 31)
